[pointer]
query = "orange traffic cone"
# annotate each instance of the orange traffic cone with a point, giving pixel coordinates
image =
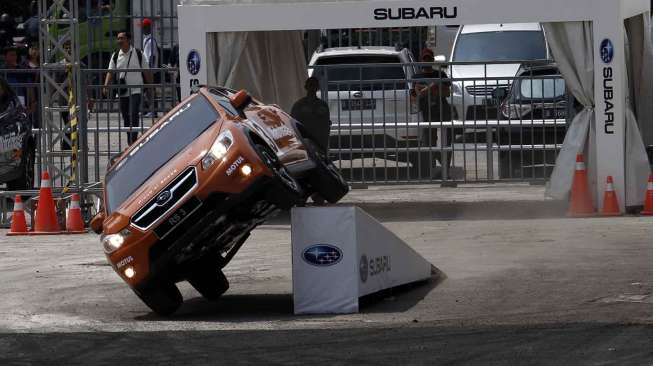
(648, 203)
(610, 202)
(581, 199)
(74, 221)
(45, 222)
(18, 222)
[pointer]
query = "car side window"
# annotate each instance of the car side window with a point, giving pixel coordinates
(224, 102)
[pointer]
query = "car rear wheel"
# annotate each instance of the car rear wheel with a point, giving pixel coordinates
(325, 178)
(290, 192)
(163, 299)
(209, 281)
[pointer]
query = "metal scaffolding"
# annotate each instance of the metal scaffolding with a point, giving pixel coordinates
(60, 90)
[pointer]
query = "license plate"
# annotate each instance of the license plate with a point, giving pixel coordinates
(177, 217)
(490, 102)
(358, 104)
(555, 114)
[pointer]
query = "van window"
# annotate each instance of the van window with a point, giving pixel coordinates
(500, 46)
(361, 76)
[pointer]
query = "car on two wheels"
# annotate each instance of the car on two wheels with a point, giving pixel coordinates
(181, 201)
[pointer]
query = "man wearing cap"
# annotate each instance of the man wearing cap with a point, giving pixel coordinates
(151, 53)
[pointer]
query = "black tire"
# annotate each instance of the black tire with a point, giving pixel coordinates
(209, 281)
(163, 299)
(288, 192)
(325, 178)
(26, 179)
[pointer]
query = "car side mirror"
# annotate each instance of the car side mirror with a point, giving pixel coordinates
(240, 100)
(97, 223)
(440, 58)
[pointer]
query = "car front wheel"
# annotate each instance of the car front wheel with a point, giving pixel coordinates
(163, 299)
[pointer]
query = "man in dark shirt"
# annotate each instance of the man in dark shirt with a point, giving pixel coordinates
(16, 78)
(313, 113)
(432, 93)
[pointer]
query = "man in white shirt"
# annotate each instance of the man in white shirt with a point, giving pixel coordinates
(151, 53)
(129, 84)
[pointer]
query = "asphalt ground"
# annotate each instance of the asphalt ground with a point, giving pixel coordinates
(522, 287)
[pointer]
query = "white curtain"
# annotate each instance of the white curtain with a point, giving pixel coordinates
(639, 127)
(572, 47)
(270, 65)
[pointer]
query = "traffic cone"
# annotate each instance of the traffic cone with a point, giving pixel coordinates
(581, 199)
(610, 202)
(18, 222)
(648, 203)
(45, 222)
(74, 221)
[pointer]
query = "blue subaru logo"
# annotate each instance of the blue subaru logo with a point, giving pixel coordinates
(322, 255)
(163, 198)
(193, 62)
(607, 51)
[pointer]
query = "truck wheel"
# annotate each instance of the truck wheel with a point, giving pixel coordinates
(163, 299)
(290, 192)
(325, 178)
(209, 281)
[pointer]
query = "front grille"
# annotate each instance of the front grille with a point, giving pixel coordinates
(484, 90)
(165, 199)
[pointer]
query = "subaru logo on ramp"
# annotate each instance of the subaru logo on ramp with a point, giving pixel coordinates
(607, 51)
(322, 255)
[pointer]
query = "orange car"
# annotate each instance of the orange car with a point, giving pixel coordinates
(181, 201)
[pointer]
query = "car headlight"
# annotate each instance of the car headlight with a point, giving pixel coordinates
(113, 242)
(218, 150)
(456, 89)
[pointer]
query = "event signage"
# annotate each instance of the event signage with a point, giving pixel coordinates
(341, 254)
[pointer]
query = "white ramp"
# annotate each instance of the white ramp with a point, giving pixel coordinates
(340, 254)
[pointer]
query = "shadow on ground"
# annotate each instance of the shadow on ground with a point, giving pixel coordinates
(276, 307)
(553, 344)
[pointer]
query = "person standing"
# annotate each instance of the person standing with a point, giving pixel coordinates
(129, 83)
(151, 53)
(313, 113)
(16, 75)
(31, 25)
(432, 93)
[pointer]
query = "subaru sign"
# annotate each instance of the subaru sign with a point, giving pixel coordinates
(322, 255)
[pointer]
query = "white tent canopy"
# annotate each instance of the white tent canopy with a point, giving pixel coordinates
(588, 40)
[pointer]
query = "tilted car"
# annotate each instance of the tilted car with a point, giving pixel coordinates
(180, 202)
(16, 142)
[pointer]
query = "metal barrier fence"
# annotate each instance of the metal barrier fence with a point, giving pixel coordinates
(395, 123)
(391, 123)
(413, 123)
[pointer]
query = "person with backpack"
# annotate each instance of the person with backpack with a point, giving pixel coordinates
(129, 83)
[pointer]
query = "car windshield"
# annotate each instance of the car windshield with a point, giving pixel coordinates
(360, 77)
(542, 88)
(170, 137)
(500, 46)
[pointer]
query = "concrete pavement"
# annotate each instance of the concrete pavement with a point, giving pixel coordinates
(534, 290)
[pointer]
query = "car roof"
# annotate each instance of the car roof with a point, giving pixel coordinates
(368, 50)
(484, 28)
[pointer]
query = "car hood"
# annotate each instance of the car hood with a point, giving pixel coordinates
(482, 71)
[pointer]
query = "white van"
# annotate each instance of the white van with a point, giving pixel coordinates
(472, 94)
